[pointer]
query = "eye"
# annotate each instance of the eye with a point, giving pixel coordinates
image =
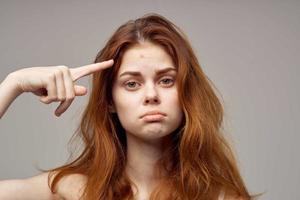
(168, 81)
(131, 84)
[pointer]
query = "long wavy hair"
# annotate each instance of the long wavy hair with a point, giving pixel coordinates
(198, 162)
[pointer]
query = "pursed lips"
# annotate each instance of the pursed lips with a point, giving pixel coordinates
(153, 113)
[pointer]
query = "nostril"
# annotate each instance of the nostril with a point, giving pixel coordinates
(153, 99)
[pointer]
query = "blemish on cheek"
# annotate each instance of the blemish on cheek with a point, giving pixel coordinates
(142, 56)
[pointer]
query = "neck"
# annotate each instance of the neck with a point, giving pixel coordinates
(142, 157)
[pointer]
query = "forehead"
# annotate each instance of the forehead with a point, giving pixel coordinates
(145, 55)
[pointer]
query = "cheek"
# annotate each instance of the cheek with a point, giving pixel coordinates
(126, 105)
(173, 100)
(124, 102)
(174, 104)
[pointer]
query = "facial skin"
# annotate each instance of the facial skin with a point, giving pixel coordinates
(133, 96)
(147, 92)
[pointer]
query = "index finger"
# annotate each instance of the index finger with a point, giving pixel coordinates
(85, 70)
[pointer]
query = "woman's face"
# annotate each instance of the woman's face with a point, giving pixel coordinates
(138, 89)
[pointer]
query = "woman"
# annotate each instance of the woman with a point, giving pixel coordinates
(151, 129)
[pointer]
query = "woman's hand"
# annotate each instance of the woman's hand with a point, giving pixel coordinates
(55, 83)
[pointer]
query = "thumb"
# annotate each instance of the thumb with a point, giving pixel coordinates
(80, 90)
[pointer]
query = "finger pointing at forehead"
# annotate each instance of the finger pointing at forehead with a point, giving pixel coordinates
(85, 70)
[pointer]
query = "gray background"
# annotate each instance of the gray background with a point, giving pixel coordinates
(250, 50)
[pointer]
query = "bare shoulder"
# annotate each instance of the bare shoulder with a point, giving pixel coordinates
(34, 188)
(71, 186)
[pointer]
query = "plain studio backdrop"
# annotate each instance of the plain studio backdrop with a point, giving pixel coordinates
(249, 49)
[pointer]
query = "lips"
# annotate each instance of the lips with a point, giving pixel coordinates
(153, 118)
(154, 112)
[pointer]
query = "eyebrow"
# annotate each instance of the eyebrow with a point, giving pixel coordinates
(157, 72)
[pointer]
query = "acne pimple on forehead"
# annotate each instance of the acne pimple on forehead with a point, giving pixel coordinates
(142, 55)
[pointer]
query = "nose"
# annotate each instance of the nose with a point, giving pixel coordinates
(151, 96)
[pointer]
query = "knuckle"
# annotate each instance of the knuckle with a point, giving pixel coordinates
(58, 72)
(68, 71)
(63, 68)
(46, 101)
(51, 76)
(61, 98)
(52, 98)
(70, 98)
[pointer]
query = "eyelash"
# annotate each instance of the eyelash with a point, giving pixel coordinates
(126, 84)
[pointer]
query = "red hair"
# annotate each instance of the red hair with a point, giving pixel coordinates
(198, 163)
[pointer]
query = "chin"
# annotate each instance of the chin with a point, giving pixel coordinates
(154, 134)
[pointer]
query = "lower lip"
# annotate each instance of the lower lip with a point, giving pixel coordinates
(156, 117)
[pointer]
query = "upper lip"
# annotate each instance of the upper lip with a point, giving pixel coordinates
(153, 112)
